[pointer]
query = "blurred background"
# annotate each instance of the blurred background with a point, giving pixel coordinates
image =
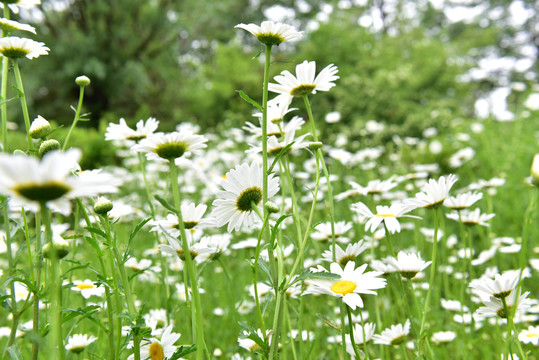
(407, 64)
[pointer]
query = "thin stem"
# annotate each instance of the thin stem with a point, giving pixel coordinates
(352, 339)
(189, 261)
(3, 91)
(56, 285)
(319, 154)
(24, 105)
(38, 266)
(76, 119)
(433, 270)
(255, 273)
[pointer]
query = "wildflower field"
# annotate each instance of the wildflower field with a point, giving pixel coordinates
(291, 234)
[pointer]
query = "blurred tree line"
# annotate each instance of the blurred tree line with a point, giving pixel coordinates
(183, 60)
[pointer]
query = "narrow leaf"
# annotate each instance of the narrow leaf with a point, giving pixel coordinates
(246, 97)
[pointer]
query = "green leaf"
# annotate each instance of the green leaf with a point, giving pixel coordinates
(279, 155)
(182, 351)
(97, 231)
(132, 236)
(93, 243)
(246, 97)
(165, 204)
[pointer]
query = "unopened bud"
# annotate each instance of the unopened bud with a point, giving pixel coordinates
(59, 245)
(82, 80)
(315, 145)
(102, 206)
(48, 145)
(271, 207)
(40, 128)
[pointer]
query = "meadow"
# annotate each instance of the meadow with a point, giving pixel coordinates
(286, 237)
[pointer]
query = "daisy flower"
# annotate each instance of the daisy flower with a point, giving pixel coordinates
(78, 342)
(344, 256)
(393, 335)
(433, 192)
(443, 337)
(276, 126)
(369, 329)
(171, 146)
(530, 336)
(305, 82)
(159, 349)
(386, 214)
(15, 48)
(249, 344)
(494, 306)
(373, 187)
(7, 25)
(31, 182)
(471, 217)
(196, 248)
(271, 33)
(462, 201)
(500, 287)
(123, 133)
(408, 264)
(87, 288)
(242, 189)
(275, 146)
(192, 219)
(351, 283)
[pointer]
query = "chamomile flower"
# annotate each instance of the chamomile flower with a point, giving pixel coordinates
(171, 146)
(15, 48)
(277, 144)
(276, 126)
(78, 342)
(433, 192)
(500, 287)
(351, 283)
(271, 33)
(471, 217)
(443, 337)
(15, 5)
(305, 82)
(386, 214)
(368, 329)
(31, 182)
(88, 288)
(196, 248)
(162, 348)
(462, 201)
(323, 231)
(393, 335)
(408, 264)
(11, 25)
(192, 219)
(121, 133)
(344, 256)
(373, 187)
(242, 189)
(494, 306)
(530, 335)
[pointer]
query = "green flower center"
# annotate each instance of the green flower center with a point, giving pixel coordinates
(190, 224)
(42, 192)
(14, 53)
(136, 138)
(301, 90)
(435, 205)
(501, 312)
(277, 150)
(502, 294)
(409, 274)
(171, 151)
(345, 259)
(248, 196)
(181, 254)
(77, 349)
(398, 340)
(270, 39)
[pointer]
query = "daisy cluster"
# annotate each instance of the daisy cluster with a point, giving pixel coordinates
(269, 240)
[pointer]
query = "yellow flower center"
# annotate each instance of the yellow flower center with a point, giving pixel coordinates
(156, 351)
(343, 287)
(85, 286)
(385, 215)
(532, 335)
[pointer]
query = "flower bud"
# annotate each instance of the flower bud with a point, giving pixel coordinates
(59, 245)
(48, 145)
(271, 207)
(82, 80)
(19, 152)
(535, 170)
(315, 145)
(102, 206)
(40, 128)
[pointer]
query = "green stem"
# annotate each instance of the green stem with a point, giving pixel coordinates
(38, 266)
(352, 339)
(255, 273)
(56, 288)
(3, 91)
(189, 261)
(76, 119)
(319, 154)
(24, 105)
(433, 270)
